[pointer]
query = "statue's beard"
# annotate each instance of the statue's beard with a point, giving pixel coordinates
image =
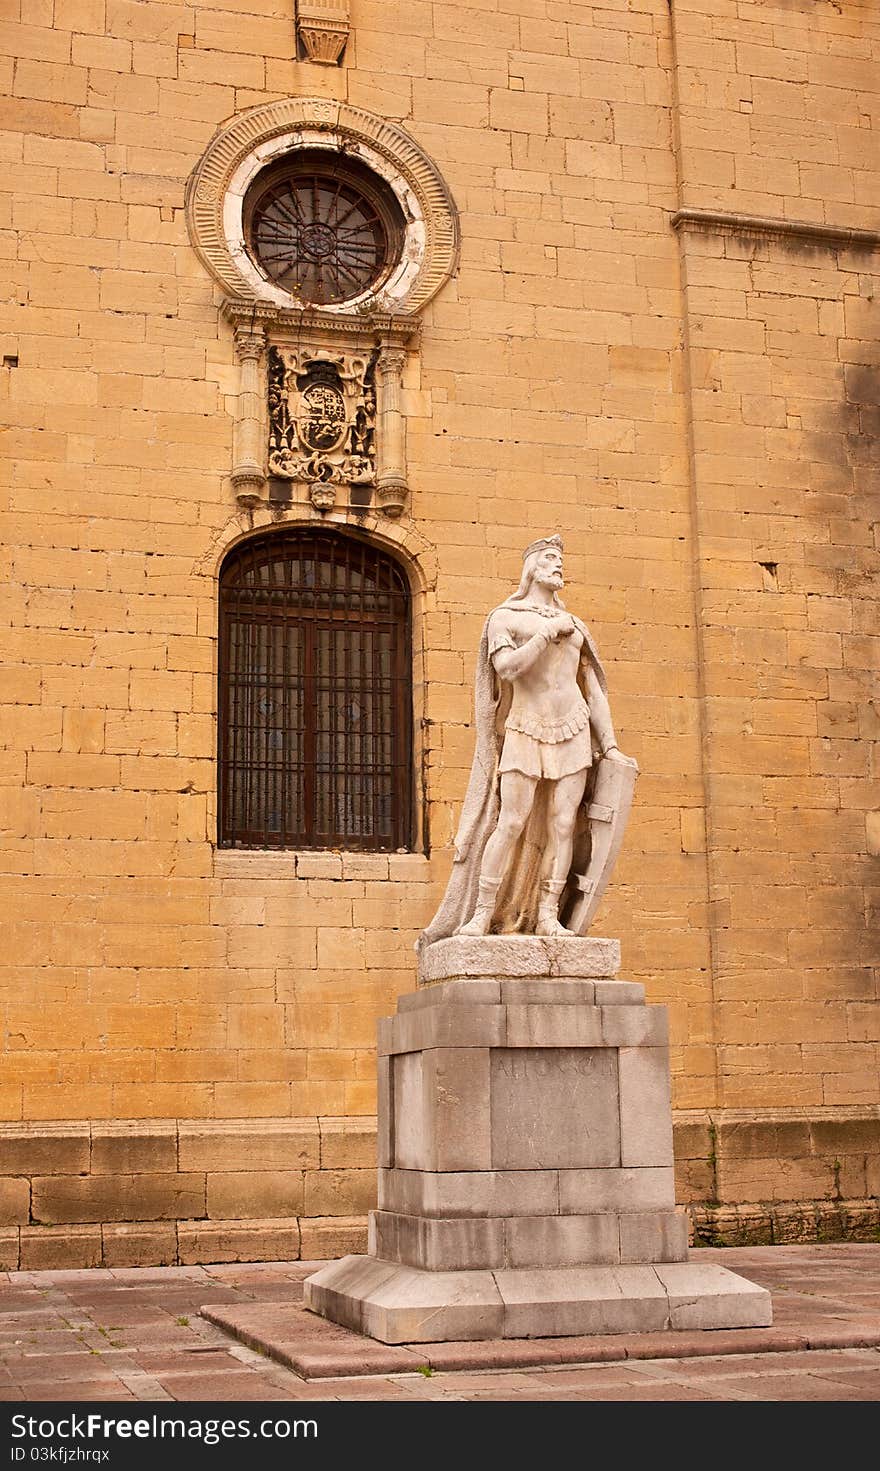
(553, 580)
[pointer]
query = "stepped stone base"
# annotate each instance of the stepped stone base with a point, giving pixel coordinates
(401, 1304)
(525, 1160)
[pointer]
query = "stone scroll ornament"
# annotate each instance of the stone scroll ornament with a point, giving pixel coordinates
(550, 791)
(322, 419)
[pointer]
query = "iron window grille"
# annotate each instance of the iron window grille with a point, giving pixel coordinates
(323, 226)
(315, 696)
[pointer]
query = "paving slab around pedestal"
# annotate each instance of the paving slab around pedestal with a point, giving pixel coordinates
(810, 1315)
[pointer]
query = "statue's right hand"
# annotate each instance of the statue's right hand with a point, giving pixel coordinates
(562, 626)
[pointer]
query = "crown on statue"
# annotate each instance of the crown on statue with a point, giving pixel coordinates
(541, 544)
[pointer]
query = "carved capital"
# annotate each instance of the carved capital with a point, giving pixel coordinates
(392, 494)
(391, 360)
(249, 484)
(250, 343)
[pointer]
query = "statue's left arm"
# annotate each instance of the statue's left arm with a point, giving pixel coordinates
(600, 716)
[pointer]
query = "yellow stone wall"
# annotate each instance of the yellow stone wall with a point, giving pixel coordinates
(691, 401)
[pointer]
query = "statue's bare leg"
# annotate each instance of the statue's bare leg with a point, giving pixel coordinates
(517, 796)
(565, 800)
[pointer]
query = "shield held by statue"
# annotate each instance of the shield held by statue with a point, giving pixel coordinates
(599, 841)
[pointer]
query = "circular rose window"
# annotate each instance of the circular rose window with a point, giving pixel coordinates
(323, 227)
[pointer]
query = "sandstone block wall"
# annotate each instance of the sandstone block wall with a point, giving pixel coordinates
(164, 1192)
(629, 353)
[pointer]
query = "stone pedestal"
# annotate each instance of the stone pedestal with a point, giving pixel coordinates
(525, 1160)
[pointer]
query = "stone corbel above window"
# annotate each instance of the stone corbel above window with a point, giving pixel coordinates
(328, 231)
(322, 28)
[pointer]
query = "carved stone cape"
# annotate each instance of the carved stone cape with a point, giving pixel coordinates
(518, 896)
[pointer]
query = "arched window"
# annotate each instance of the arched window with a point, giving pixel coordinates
(315, 695)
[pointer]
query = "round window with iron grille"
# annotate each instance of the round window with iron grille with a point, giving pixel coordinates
(323, 227)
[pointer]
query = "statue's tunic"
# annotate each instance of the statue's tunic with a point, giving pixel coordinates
(547, 729)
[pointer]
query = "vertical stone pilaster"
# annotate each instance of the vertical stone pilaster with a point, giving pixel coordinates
(249, 431)
(392, 489)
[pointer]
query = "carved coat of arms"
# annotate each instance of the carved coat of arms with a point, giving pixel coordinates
(322, 419)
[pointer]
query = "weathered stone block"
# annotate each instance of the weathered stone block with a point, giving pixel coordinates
(132, 1148)
(459, 993)
(463, 957)
(693, 1138)
(560, 1241)
(15, 1201)
(694, 1179)
(385, 1113)
(259, 1193)
(399, 1304)
(331, 1236)
(441, 1109)
(527, 991)
(547, 1302)
(410, 1145)
(703, 1295)
(836, 1137)
(449, 1026)
(339, 1192)
(238, 1241)
(139, 1244)
(553, 1026)
(553, 1108)
(384, 1035)
(47, 1248)
(654, 1236)
(44, 1149)
(634, 1026)
(772, 1178)
(58, 1199)
(347, 1143)
(620, 993)
(9, 1249)
(639, 1189)
(744, 1139)
(645, 1106)
(437, 1245)
(249, 1144)
(469, 1192)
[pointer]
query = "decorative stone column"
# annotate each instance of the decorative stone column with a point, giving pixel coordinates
(249, 431)
(392, 490)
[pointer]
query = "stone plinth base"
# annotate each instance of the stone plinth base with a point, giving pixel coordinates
(398, 1304)
(525, 1159)
(467, 957)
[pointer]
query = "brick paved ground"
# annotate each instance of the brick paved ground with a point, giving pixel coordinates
(136, 1334)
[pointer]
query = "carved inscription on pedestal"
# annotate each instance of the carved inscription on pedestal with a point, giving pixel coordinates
(554, 1108)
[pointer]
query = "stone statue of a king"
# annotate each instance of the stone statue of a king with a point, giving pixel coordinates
(549, 791)
(526, 1185)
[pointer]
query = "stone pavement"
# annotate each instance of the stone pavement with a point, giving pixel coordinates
(137, 1334)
